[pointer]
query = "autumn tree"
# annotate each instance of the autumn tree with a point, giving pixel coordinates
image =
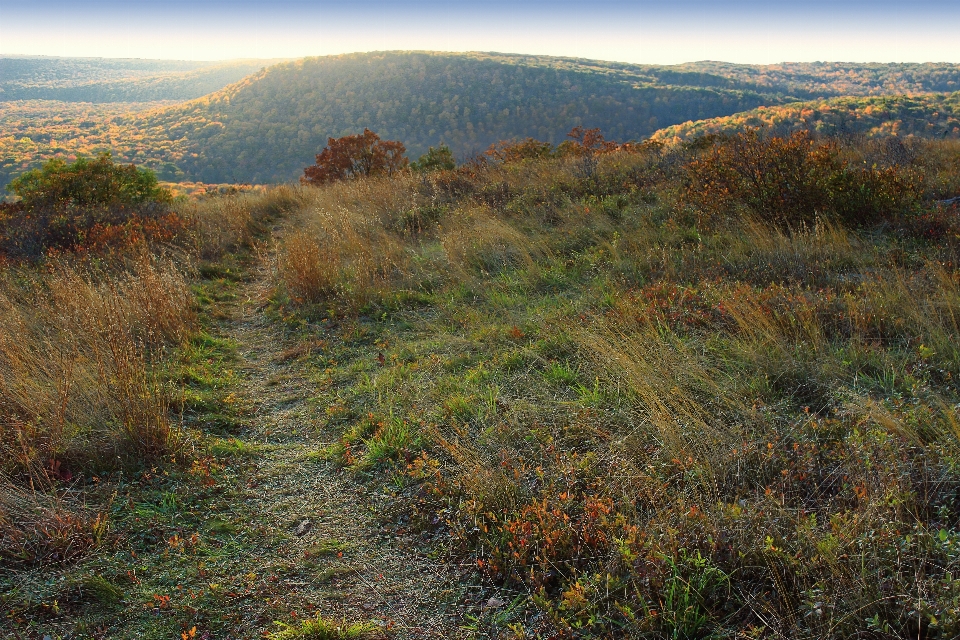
(363, 154)
(585, 142)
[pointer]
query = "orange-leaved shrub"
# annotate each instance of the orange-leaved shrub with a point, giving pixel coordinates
(363, 154)
(794, 181)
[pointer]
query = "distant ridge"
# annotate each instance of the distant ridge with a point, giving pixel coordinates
(267, 127)
(101, 80)
(928, 116)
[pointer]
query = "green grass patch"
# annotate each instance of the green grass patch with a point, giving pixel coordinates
(320, 628)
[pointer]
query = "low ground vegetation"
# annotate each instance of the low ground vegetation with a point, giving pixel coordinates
(700, 390)
(696, 390)
(110, 383)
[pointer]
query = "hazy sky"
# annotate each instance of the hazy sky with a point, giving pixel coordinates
(656, 32)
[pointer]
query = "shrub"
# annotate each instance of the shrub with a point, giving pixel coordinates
(793, 181)
(514, 151)
(88, 205)
(438, 159)
(364, 154)
(87, 184)
(584, 142)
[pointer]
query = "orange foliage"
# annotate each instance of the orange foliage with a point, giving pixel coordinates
(512, 151)
(587, 142)
(794, 180)
(358, 155)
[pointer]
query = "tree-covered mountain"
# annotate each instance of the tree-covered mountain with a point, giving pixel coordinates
(101, 80)
(802, 80)
(269, 125)
(810, 80)
(928, 116)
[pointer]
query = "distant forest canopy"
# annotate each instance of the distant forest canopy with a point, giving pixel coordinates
(268, 126)
(808, 80)
(801, 80)
(117, 80)
(928, 116)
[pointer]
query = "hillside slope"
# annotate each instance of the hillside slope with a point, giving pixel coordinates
(928, 116)
(809, 80)
(269, 125)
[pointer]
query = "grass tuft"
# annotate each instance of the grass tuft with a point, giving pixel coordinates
(320, 628)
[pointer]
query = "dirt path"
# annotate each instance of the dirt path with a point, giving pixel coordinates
(323, 540)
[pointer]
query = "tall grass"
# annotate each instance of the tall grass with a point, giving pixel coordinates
(84, 340)
(659, 419)
(75, 352)
(223, 223)
(356, 242)
(77, 395)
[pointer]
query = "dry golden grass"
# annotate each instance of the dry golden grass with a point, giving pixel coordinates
(37, 525)
(361, 240)
(223, 223)
(683, 408)
(77, 392)
(474, 240)
(342, 252)
(607, 401)
(76, 347)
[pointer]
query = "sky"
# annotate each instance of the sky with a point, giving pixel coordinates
(659, 32)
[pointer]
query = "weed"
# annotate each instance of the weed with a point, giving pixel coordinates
(686, 592)
(232, 447)
(391, 438)
(103, 591)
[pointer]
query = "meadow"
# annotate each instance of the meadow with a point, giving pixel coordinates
(682, 391)
(689, 390)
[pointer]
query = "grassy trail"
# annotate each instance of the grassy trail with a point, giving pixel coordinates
(330, 545)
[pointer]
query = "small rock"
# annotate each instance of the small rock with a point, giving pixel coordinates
(495, 603)
(302, 528)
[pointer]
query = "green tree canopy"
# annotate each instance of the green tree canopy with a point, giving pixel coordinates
(435, 159)
(86, 183)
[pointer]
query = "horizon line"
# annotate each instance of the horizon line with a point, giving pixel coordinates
(279, 60)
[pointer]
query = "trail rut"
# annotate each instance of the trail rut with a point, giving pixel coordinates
(322, 527)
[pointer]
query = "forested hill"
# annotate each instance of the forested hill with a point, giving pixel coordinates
(929, 116)
(808, 80)
(270, 125)
(267, 126)
(801, 80)
(100, 80)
